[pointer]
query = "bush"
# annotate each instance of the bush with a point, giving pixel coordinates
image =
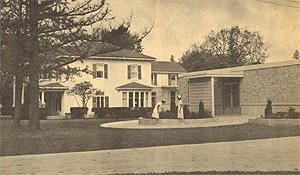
(78, 112)
(268, 109)
(25, 113)
(7, 109)
(290, 113)
(122, 112)
(168, 115)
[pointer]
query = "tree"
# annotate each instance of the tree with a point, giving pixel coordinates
(84, 90)
(122, 37)
(172, 58)
(44, 27)
(226, 48)
(296, 55)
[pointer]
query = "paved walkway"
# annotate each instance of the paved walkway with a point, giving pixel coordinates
(188, 123)
(280, 154)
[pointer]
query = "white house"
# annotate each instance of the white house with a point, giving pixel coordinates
(123, 76)
(164, 79)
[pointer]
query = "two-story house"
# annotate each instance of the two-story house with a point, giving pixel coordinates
(123, 78)
(164, 79)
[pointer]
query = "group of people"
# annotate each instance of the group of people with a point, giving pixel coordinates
(158, 108)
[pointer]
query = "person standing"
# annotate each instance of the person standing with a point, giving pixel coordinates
(179, 108)
(157, 109)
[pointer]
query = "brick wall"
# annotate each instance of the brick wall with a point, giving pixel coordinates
(281, 85)
(199, 89)
(183, 89)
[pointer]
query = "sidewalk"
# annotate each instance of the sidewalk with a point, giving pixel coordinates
(279, 154)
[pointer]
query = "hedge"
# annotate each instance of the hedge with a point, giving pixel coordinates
(122, 112)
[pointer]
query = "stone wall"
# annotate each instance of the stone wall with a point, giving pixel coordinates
(280, 84)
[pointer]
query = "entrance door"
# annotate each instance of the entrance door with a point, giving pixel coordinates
(173, 101)
(232, 98)
(53, 102)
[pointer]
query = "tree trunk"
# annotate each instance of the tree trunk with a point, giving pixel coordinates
(18, 99)
(34, 65)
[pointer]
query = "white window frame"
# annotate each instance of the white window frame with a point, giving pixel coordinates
(97, 66)
(134, 66)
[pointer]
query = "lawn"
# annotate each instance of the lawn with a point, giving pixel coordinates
(86, 135)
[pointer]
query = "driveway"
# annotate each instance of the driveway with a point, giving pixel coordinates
(278, 154)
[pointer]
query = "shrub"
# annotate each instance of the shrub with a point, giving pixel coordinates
(268, 109)
(292, 113)
(78, 112)
(122, 112)
(168, 115)
(201, 108)
(25, 113)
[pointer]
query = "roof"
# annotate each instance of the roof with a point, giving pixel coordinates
(124, 53)
(134, 86)
(98, 50)
(167, 66)
(237, 71)
(53, 86)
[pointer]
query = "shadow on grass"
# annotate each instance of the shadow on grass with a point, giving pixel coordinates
(86, 135)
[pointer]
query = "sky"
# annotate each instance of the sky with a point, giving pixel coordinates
(180, 23)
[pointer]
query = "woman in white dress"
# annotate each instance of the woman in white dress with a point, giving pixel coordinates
(179, 108)
(157, 109)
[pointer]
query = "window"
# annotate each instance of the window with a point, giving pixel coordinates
(153, 98)
(136, 99)
(172, 79)
(154, 79)
(100, 101)
(100, 71)
(146, 102)
(130, 99)
(142, 99)
(106, 101)
(124, 99)
(134, 71)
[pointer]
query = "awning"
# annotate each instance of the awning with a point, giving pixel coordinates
(53, 87)
(134, 86)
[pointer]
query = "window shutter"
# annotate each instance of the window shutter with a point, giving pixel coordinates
(129, 71)
(94, 70)
(94, 102)
(105, 71)
(106, 102)
(139, 72)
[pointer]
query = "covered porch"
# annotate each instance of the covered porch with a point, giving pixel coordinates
(219, 90)
(51, 98)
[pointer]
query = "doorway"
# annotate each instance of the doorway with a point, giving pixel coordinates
(232, 98)
(53, 102)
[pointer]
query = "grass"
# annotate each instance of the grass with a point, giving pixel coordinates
(86, 135)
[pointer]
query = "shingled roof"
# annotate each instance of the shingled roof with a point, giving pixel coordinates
(134, 85)
(124, 53)
(98, 50)
(167, 66)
